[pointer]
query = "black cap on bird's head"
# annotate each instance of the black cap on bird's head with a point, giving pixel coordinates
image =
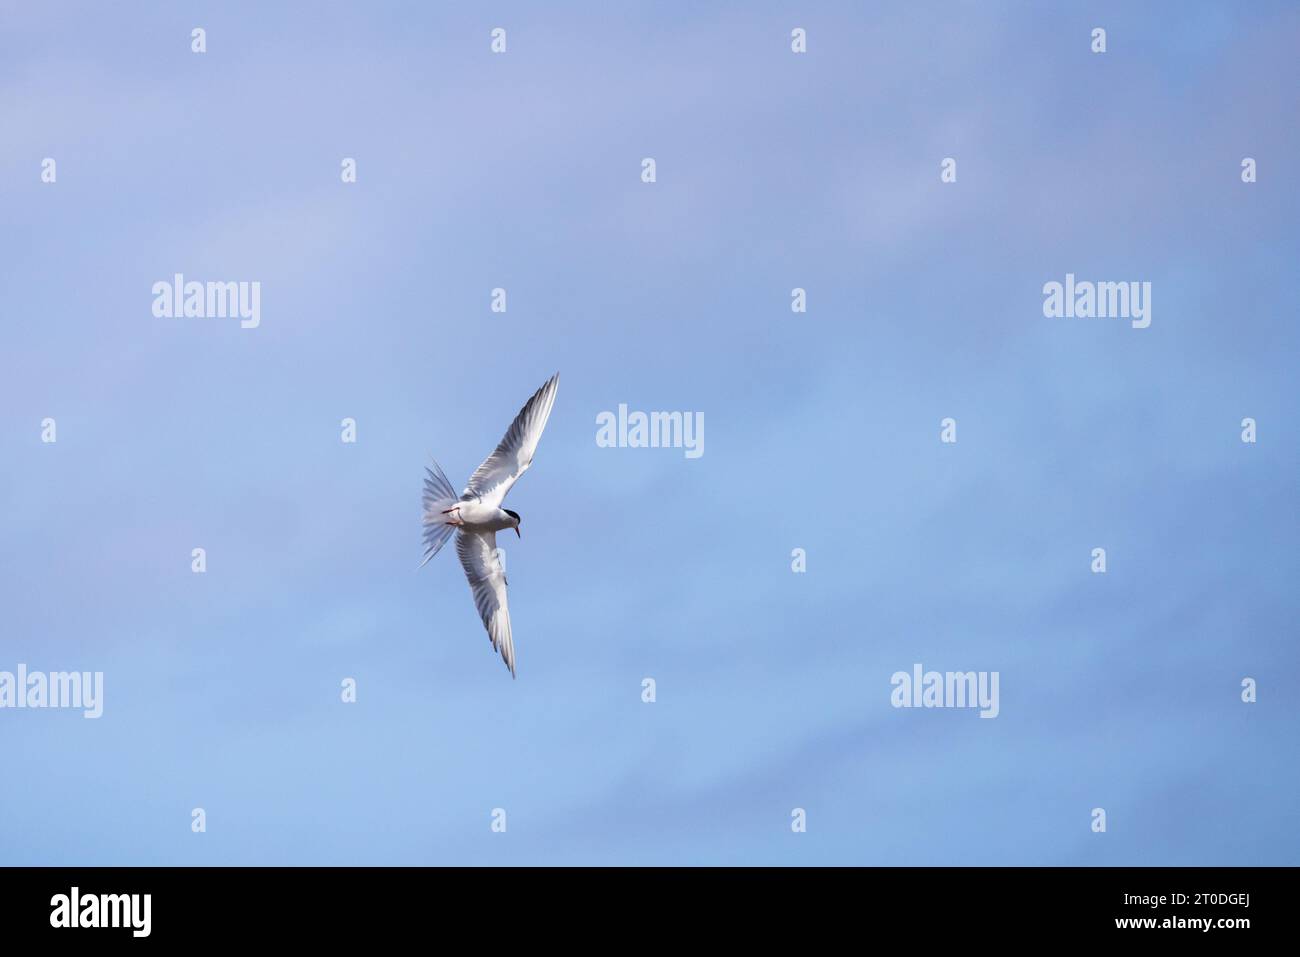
(515, 516)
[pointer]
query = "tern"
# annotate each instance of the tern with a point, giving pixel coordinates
(476, 514)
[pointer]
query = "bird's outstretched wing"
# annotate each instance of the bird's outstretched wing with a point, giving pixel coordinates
(500, 470)
(487, 580)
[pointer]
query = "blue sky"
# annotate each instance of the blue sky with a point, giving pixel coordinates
(775, 170)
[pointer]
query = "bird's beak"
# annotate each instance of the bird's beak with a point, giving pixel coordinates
(517, 532)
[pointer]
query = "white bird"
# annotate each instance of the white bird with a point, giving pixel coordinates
(478, 516)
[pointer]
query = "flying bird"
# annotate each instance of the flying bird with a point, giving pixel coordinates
(476, 515)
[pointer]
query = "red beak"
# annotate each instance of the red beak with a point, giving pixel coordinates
(517, 531)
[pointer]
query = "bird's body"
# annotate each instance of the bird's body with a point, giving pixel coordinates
(473, 516)
(476, 515)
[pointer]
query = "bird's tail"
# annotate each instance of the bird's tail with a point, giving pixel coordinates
(438, 496)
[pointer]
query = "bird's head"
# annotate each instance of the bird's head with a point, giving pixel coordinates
(515, 516)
